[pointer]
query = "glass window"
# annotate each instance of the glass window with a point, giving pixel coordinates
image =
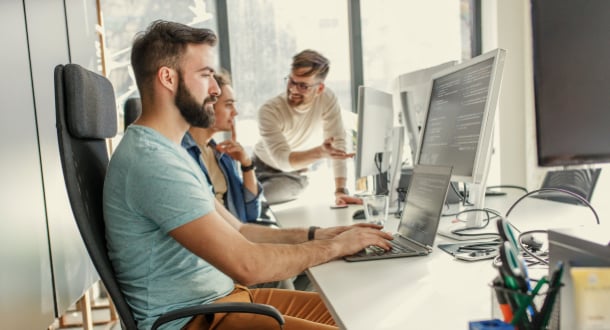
(406, 35)
(124, 19)
(264, 35)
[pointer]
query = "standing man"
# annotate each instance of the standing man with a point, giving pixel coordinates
(287, 125)
(241, 196)
(171, 243)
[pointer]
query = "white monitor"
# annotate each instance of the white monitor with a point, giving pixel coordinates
(412, 98)
(375, 121)
(459, 123)
(380, 145)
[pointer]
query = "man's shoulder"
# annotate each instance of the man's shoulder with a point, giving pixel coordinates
(275, 107)
(328, 101)
(144, 150)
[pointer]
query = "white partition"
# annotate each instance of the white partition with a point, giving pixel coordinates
(44, 265)
(52, 43)
(26, 291)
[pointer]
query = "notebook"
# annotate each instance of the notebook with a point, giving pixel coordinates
(420, 216)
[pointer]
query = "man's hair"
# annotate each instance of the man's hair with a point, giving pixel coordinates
(163, 44)
(318, 65)
(223, 78)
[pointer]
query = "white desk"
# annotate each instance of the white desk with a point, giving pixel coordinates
(431, 292)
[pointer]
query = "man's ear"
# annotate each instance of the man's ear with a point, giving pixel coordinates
(320, 89)
(168, 78)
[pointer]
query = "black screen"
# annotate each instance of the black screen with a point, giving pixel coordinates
(571, 44)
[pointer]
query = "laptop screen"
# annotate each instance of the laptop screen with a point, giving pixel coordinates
(424, 203)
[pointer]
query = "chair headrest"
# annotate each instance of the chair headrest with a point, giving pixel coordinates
(90, 104)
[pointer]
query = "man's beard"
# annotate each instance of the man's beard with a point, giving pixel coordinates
(198, 115)
(296, 102)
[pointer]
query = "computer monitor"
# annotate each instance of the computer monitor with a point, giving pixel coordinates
(571, 81)
(378, 148)
(459, 122)
(412, 94)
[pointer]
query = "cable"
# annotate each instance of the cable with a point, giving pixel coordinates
(487, 211)
(584, 201)
(457, 191)
(378, 160)
(402, 192)
(522, 234)
(526, 250)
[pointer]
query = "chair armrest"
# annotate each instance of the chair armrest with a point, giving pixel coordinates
(233, 307)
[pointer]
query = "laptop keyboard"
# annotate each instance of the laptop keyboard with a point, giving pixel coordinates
(396, 249)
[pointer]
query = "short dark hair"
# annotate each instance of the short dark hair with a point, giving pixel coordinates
(223, 78)
(163, 44)
(318, 64)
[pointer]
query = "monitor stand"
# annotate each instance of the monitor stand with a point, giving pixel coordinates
(471, 228)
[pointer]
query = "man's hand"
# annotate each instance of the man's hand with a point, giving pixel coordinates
(331, 232)
(232, 148)
(357, 238)
(343, 199)
(328, 151)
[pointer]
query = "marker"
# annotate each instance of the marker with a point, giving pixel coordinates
(505, 307)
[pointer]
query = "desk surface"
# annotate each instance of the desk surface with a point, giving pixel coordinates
(431, 292)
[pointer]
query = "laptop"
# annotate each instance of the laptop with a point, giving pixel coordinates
(420, 217)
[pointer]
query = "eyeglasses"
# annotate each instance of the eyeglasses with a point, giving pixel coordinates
(301, 87)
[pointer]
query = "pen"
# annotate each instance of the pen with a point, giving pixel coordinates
(547, 306)
(503, 302)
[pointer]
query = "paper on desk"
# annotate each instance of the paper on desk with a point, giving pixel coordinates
(591, 287)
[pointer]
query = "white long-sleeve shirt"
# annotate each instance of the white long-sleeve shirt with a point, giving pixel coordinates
(284, 130)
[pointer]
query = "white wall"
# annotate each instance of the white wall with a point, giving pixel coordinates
(45, 267)
(507, 24)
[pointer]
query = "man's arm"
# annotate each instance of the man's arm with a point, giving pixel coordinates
(302, 159)
(342, 196)
(234, 149)
(219, 241)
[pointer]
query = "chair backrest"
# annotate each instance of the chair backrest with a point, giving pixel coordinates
(579, 181)
(86, 117)
(131, 111)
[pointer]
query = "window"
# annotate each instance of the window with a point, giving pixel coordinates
(397, 36)
(264, 35)
(407, 35)
(124, 19)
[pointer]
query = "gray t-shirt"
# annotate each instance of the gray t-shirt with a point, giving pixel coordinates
(152, 187)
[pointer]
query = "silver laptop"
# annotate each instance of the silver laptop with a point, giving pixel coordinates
(420, 216)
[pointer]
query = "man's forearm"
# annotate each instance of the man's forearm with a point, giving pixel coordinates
(339, 183)
(263, 234)
(302, 159)
(288, 259)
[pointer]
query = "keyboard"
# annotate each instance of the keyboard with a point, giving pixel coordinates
(375, 250)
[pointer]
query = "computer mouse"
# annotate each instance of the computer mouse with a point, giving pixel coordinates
(359, 215)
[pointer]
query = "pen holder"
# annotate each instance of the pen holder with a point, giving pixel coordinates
(531, 310)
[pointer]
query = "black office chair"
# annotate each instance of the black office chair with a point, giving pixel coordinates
(86, 117)
(579, 181)
(131, 110)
